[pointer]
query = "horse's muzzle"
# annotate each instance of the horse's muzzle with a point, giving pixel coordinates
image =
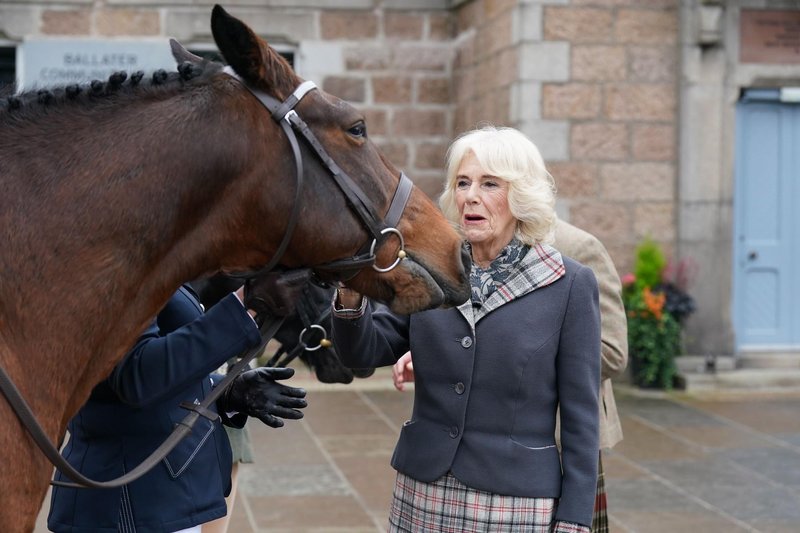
(455, 295)
(466, 259)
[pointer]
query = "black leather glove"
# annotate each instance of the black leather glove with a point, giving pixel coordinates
(256, 393)
(275, 293)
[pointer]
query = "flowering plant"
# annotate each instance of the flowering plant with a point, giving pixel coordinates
(656, 303)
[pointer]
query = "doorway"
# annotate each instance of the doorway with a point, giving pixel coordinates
(767, 222)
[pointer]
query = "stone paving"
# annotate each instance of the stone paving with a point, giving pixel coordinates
(707, 463)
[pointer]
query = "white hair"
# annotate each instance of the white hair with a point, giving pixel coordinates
(509, 155)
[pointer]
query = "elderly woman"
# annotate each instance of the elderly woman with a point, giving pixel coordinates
(479, 452)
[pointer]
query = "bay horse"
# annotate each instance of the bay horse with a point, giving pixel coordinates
(115, 193)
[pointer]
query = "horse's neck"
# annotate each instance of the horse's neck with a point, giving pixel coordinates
(102, 247)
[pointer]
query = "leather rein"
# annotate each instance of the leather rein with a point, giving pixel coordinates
(183, 428)
(289, 120)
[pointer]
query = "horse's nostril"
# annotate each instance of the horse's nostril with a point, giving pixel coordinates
(466, 259)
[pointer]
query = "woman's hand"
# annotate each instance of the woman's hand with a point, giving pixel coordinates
(403, 372)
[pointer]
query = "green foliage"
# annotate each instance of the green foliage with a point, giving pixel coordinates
(653, 345)
(654, 334)
(650, 263)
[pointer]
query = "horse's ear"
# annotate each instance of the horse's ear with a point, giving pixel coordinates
(240, 47)
(181, 54)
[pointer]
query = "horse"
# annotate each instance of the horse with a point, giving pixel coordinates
(116, 192)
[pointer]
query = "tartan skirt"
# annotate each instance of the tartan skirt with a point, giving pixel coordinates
(600, 516)
(447, 505)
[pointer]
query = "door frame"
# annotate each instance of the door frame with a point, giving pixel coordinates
(792, 346)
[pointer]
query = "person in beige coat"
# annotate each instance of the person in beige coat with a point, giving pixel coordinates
(585, 248)
(588, 250)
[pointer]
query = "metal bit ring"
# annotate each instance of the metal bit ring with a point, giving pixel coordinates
(401, 254)
(318, 346)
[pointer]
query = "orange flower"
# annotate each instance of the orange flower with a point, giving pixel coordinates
(654, 302)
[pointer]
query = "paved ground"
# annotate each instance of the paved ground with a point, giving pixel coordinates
(712, 463)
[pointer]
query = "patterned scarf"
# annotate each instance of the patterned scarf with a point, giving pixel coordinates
(518, 270)
(485, 282)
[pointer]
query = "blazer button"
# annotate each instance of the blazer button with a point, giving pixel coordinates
(453, 432)
(459, 388)
(466, 342)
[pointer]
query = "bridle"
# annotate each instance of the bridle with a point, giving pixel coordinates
(342, 269)
(313, 336)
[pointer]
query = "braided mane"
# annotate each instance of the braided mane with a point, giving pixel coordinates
(119, 88)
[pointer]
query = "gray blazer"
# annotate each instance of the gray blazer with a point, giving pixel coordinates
(485, 399)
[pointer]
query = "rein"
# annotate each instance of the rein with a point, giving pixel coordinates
(183, 428)
(285, 115)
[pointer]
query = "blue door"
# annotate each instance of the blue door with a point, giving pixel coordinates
(767, 223)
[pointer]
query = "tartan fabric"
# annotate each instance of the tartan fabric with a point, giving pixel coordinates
(485, 281)
(541, 266)
(448, 506)
(600, 516)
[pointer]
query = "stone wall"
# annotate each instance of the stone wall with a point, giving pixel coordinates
(397, 68)
(486, 63)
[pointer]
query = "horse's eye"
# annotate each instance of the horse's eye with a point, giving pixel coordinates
(359, 130)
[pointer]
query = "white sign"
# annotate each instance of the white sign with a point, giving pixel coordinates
(45, 62)
(790, 94)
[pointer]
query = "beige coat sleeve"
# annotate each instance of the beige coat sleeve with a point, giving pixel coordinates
(588, 250)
